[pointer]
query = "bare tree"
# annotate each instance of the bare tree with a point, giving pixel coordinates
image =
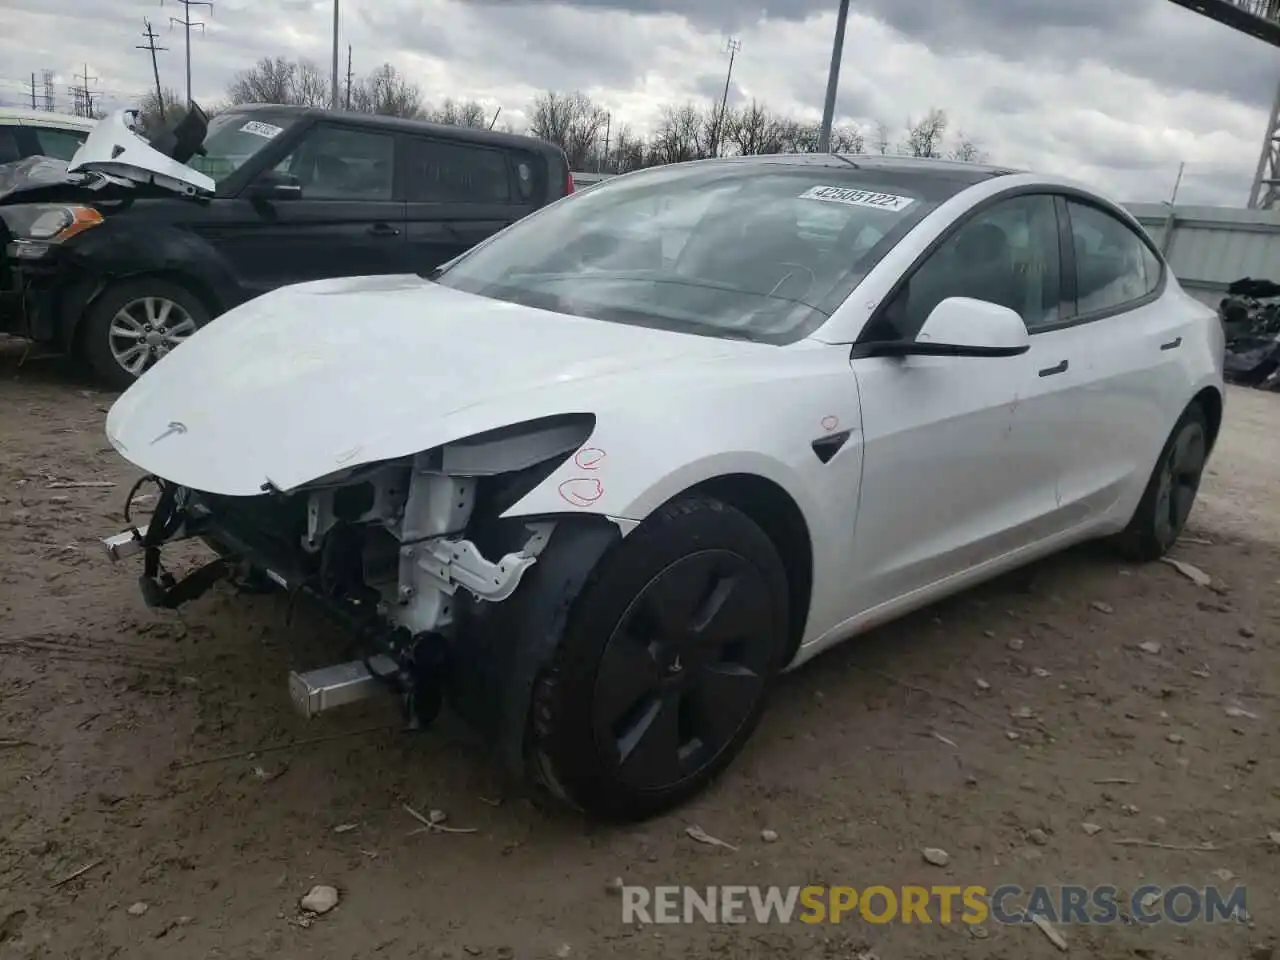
(683, 133)
(311, 85)
(387, 93)
(277, 80)
(154, 115)
(755, 130)
(925, 136)
(626, 151)
(460, 113)
(572, 122)
(881, 142)
(270, 80)
(967, 149)
(847, 139)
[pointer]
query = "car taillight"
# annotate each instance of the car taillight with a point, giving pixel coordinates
(569, 186)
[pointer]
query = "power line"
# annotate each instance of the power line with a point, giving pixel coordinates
(155, 67)
(187, 23)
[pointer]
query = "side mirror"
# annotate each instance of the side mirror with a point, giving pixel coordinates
(272, 185)
(961, 327)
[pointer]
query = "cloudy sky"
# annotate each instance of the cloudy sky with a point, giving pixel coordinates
(1115, 92)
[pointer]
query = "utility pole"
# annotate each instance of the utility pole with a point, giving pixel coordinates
(1173, 198)
(155, 67)
(33, 89)
(348, 76)
(833, 79)
(732, 46)
(334, 101)
(608, 131)
(187, 23)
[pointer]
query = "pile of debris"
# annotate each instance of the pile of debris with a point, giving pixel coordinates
(1250, 315)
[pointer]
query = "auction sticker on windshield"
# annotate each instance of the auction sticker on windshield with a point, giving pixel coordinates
(858, 198)
(258, 128)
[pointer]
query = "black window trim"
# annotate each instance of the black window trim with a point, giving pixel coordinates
(1067, 283)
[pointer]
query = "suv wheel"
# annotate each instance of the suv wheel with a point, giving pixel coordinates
(132, 325)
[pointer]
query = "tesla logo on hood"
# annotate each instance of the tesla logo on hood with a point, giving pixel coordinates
(174, 427)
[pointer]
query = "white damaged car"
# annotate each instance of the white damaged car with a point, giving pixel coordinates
(599, 480)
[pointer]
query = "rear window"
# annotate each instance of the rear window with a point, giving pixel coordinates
(762, 252)
(441, 172)
(60, 144)
(9, 149)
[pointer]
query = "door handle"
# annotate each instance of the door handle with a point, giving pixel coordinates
(1050, 371)
(1173, 344)
(384, 230)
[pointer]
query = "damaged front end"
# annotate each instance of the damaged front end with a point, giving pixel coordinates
(403, 555)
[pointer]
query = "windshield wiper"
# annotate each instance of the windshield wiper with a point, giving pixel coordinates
(843, 159)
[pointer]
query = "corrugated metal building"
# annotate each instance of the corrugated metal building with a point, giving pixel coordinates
(1209, 247)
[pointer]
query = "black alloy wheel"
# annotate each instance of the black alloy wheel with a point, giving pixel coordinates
(664, 665)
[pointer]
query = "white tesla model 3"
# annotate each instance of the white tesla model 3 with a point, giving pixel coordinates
(598, 480)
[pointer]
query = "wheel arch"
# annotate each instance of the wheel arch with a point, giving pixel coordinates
(74, 322)
(1210, 401)
(778, 514)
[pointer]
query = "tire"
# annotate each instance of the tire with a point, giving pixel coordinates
(1170, 493)
(137, 307)
(663, 669)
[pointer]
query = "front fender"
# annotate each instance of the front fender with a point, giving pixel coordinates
(111, 253)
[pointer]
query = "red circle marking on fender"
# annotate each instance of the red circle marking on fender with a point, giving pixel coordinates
(589, 458)
(830, 423)
(581, 491)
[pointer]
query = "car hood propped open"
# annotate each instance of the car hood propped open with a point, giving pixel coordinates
(114, 149)
(318, 377)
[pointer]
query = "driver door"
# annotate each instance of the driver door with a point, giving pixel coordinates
(348, 222)
(949, 482)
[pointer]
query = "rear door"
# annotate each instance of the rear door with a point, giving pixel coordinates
(460, 193)
(349, 220)
(1129, 341)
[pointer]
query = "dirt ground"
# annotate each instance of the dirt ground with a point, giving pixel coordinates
(126, 764)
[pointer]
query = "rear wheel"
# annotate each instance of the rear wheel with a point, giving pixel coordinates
(1171, 491)
(133, 325)
(662, 673)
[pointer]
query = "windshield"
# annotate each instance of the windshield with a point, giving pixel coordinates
(763, 252)
(232, 138)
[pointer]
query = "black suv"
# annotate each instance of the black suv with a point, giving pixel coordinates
(128, 250)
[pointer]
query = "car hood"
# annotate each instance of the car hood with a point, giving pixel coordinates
(25, 179)
(112, 148)
(319, 377)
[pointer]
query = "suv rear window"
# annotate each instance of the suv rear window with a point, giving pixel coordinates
(60, 144)
(442, 172)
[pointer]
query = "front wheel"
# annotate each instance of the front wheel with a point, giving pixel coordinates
(663, 669)
(133, 325)
(1171, 491)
